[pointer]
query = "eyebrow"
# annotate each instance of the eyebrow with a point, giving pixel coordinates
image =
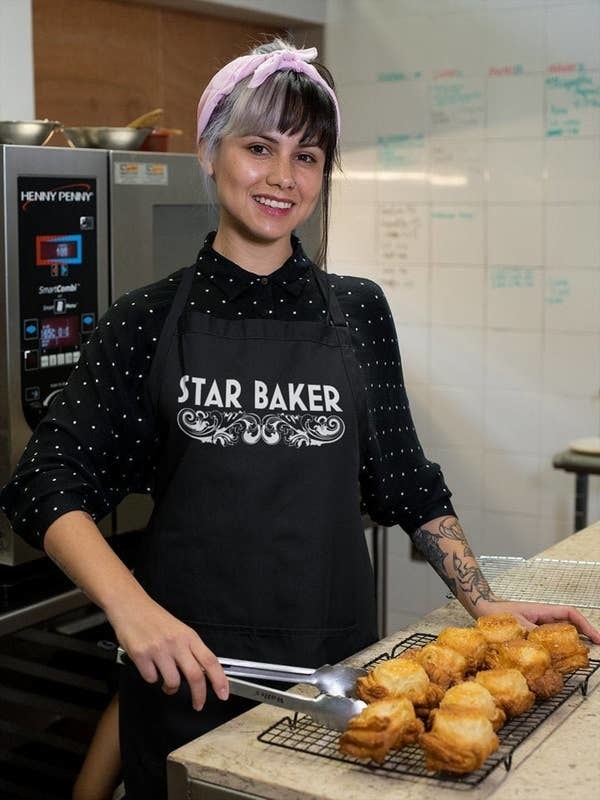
(302, 143)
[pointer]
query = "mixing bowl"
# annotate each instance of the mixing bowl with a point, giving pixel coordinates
(107, 138)
(33, 132)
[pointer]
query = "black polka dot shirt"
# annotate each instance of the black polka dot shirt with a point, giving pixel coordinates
(99, 440)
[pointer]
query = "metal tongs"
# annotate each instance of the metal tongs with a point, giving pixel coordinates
(333, 708)
(338, 680)
(325, 709)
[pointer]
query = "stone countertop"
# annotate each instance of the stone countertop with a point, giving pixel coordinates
(561, 755)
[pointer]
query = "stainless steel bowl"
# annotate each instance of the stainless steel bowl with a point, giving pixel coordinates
(107, 138)
(33, 132)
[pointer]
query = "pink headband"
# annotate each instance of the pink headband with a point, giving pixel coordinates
(261, 66)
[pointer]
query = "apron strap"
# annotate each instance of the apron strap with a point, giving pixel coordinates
(334, 311)
(166, 336)
(353, 371)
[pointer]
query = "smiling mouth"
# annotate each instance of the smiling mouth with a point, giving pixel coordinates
(281, 204)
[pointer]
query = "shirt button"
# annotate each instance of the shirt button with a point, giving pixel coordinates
(264, 281)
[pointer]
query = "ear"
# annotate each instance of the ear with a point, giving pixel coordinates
(205, 162)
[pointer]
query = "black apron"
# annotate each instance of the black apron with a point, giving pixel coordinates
(256, 540)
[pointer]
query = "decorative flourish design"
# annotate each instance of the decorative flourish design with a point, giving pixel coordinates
(299, 430)
(232, 427)
(220, 427)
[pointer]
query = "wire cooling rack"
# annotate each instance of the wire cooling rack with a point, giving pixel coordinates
(300, 733)
(545, 580)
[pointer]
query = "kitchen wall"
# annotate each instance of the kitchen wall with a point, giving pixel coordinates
(16, 60)
(471, 150)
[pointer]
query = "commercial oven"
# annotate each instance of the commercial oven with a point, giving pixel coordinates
(78, 228)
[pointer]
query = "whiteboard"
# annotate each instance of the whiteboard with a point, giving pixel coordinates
(471, 133)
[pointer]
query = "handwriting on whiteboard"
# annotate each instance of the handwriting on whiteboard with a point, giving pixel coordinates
(457, 107)
(557, 291)
(401, 151)
(572, 103)
(401, 234)
(512, 278)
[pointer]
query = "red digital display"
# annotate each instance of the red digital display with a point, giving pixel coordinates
(58, 249)
(58, 332)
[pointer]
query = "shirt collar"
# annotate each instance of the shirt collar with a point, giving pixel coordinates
(233, 281)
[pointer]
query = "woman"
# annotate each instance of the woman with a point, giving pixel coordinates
(262, 404)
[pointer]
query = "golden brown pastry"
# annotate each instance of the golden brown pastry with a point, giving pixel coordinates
(509, 688)
(443, 665)
(475, 697)
(500, 628)
(532, 660)
(562, 641)
(382, 726)
(469, 642)
(460, 740)
(399, 677)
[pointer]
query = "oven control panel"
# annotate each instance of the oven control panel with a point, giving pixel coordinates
(58, 279)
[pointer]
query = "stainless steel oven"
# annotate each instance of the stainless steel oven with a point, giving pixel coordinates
(77, 229)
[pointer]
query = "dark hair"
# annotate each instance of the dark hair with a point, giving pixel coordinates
(289, 102)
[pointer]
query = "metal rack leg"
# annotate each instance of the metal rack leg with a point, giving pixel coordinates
(581, 499)
(379, 551)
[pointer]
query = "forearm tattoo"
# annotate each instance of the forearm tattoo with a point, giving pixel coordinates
(448, 545)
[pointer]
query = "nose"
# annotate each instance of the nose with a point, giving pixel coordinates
(282, 175)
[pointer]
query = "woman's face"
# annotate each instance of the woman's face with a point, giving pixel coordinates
(267, 185)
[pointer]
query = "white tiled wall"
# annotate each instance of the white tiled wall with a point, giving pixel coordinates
(478, 121)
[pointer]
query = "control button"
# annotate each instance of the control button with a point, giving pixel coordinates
(44, 362)
(31, 329)
(32, 394)
(54, 270)
(76, 356)
(60, 305)
(87, 223)
(32, 359)
(264, 281)
(64, 270)
(88, 322)
(52, 360)
(60, 359)
(68, 358)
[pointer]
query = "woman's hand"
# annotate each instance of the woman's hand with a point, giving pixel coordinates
(161, 646)
(532, 614)
(165, 649)
(443, 543)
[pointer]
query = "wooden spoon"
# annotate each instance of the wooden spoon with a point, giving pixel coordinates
(147, 120)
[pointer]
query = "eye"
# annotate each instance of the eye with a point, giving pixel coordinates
(308, 158)
(258, 149)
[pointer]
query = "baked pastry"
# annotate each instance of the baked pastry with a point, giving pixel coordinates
(532, 660)
(380, 727)
(443, 665)
(399, 677)
(469, 642)
(460, 740)
(509, 688)
(562, 641)
(500, 628)
(475, 697)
